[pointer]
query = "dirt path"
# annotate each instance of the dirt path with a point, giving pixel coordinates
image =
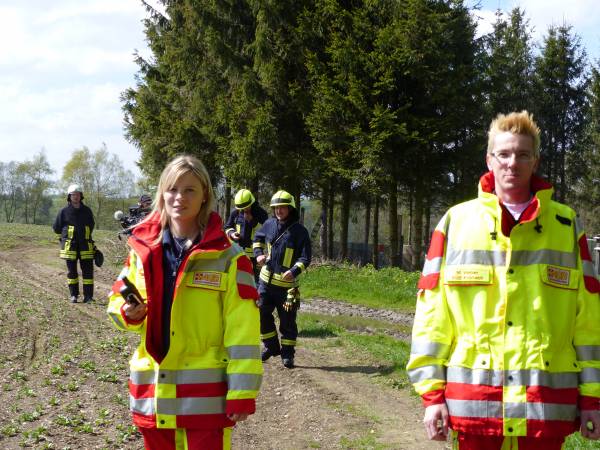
(63, 372)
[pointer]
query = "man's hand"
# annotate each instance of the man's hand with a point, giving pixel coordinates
(260, 260)
(237, 417)
(135, 313)
(235, 236)
(590, 424)
(288, 276)
(436, 422)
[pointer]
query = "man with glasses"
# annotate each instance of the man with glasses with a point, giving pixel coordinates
(506, 339)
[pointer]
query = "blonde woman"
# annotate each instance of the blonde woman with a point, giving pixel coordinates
(197, 370)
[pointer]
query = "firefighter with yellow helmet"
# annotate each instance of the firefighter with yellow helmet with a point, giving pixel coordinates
(505, 346)
(282, 247)
(75, 223)
(244, 221)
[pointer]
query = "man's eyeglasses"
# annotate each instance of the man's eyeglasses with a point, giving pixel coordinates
(506, 157)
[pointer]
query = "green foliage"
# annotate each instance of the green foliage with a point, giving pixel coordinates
(509, 64)
(389, 288)
(561, 82)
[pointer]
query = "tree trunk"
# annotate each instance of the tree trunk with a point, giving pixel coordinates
(331, 206)
(365, 255)
(417, 230)
(323, 231)
(376, 233)
(345, 219)
(393, 224)
(227, 200)
(427, 223)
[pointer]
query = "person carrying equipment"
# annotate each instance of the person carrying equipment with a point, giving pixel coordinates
(190, 296)
(244, 221)
(75, 223)
(282, 248)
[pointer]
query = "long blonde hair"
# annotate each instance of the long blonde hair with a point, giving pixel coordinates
(516, 123)
(175, 169)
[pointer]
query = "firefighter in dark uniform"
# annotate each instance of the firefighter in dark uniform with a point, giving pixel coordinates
(75, 223)
(244, 221)
(282, 247)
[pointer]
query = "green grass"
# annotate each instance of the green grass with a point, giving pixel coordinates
(387, 288)
(388, 354)
(576, 442)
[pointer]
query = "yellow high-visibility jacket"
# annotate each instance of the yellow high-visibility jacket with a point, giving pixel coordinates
(212, 366)
(507, 324)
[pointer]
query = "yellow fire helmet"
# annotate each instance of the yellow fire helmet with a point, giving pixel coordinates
(243, 199)
(283, 198)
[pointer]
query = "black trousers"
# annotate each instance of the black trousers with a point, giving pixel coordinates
(87, 275)
(271, 299)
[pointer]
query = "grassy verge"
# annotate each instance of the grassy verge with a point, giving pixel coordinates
(388, 288)
(387, 355)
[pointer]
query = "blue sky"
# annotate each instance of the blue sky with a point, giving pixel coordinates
(64, 63)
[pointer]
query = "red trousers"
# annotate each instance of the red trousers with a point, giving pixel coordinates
(186, 438)
(464, 441)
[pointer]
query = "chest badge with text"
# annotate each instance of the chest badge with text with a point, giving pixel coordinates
(558, 275)
(468, 275)
(207, 279)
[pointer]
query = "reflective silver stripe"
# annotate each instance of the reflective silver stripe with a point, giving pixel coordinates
(534, 377)
(587, 352)
(455, 257)
(427, 348)
(142, 405)
(518, 257)
(116, 319)
(551, 411)
(474, 408)
(213, 265)
(179, 376)
(245, 278)
(142, 377)
(426, 373)
(590, 375)
(497, 378)
(555, 257)
(191, 405)
(432, 266)
(300, 266)
(474, 376)
(243, 382)
(588, 269)
(244, 352)
(515, 410)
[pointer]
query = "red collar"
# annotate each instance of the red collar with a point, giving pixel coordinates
(488, 183)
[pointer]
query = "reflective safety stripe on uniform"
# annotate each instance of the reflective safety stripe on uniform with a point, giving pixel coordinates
(276, 279)
(291, 342)
(189, 392)
(186, 439)
(465, 441)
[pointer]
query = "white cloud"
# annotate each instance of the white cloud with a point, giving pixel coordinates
(63, 66)
(581, 15)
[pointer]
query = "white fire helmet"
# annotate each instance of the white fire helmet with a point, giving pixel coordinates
(74, 188)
